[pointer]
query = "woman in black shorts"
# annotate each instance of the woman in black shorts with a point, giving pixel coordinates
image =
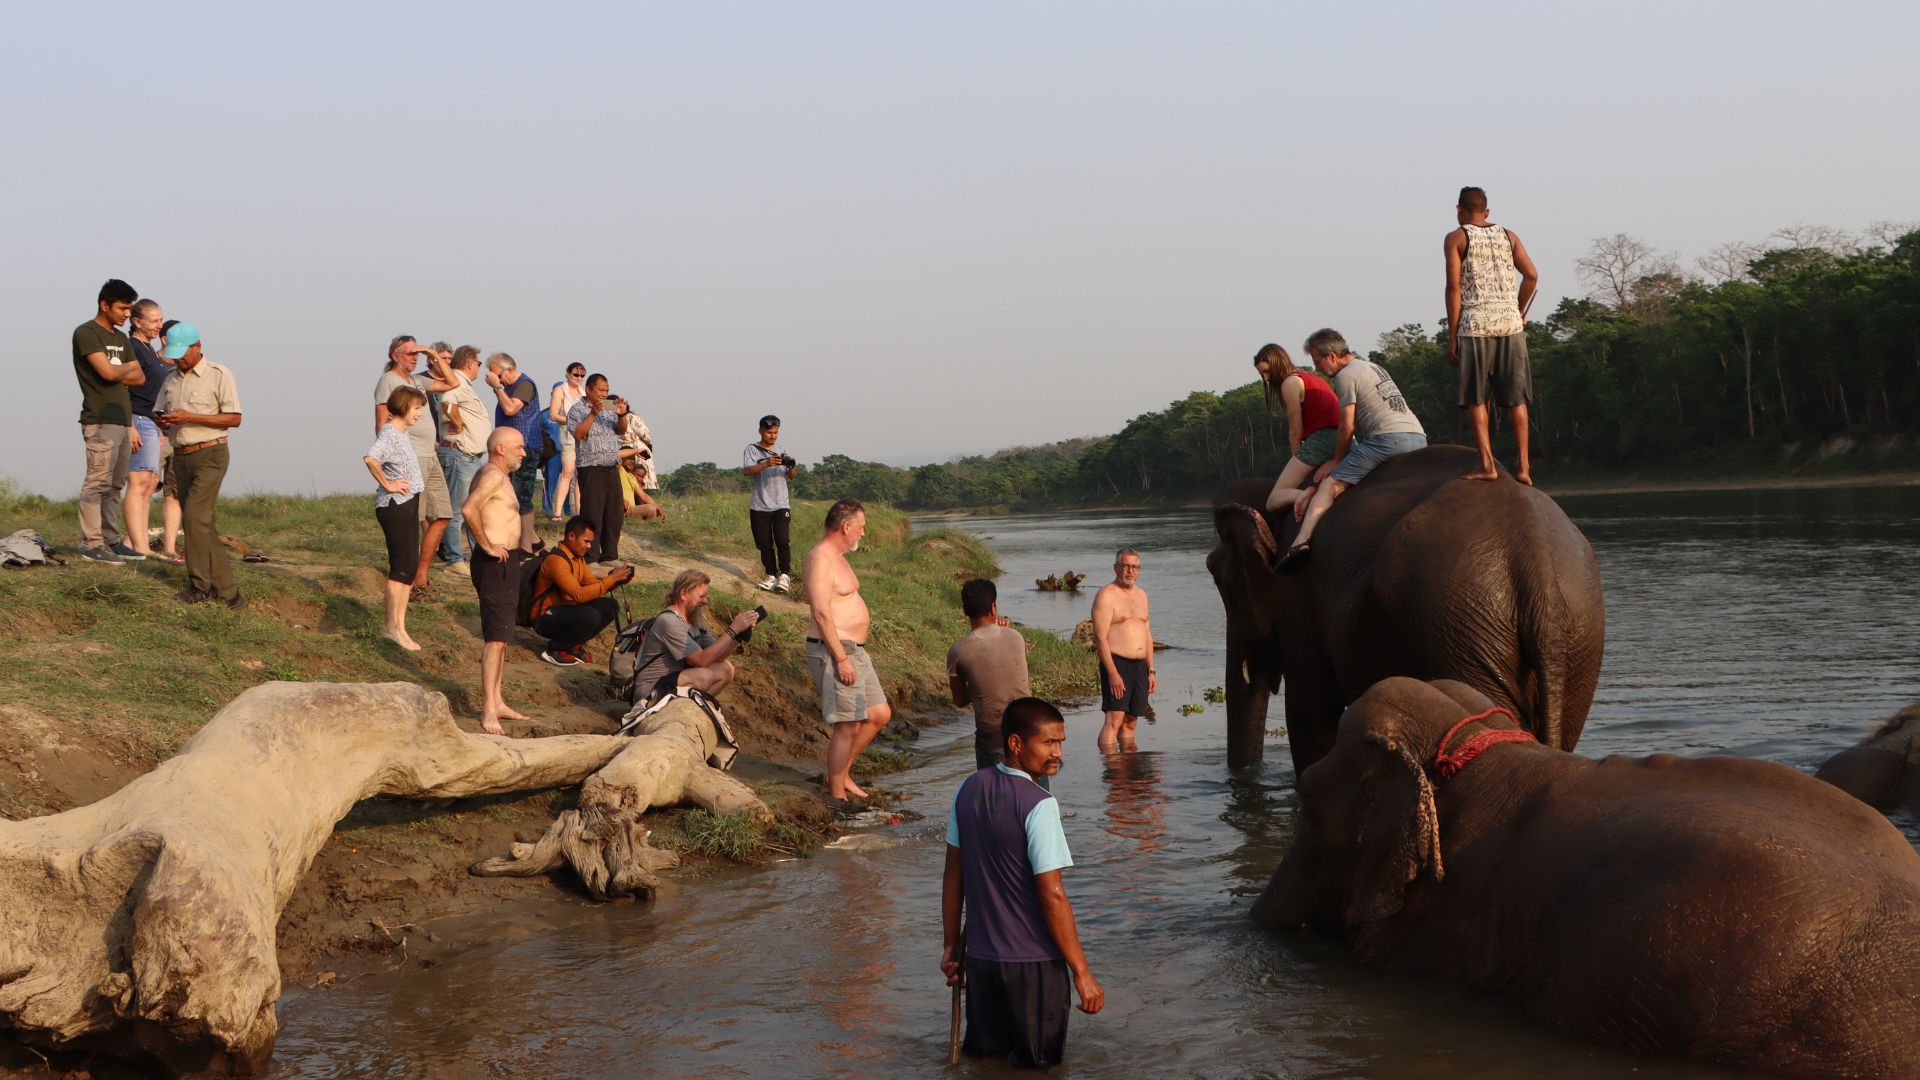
(396, 469)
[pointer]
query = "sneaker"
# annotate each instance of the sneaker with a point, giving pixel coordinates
(785, 584)
(559, 658)
(106, 555)
(126, 553)
(238, 603)
(770, 584)
(579, 652)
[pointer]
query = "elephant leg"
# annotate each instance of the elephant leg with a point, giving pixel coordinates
(1314, 706)
(1249, 689)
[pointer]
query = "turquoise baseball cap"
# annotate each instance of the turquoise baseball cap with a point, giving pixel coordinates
(180, 337)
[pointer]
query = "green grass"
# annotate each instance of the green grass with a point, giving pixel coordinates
(703, 832)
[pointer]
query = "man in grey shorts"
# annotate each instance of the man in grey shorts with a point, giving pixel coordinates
(1375, 424)
(1487, 326)
(851, 700)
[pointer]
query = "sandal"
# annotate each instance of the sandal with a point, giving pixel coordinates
(1295, 555)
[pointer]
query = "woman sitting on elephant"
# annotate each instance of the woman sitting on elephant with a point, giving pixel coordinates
(1313, 415)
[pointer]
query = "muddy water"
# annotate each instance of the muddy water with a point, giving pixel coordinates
(1775, 625)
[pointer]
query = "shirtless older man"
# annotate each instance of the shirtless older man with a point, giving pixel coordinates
(492, 517)
(851, 700)
(1124, 640)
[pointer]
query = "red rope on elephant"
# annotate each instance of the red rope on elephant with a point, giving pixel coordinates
(1449, 765)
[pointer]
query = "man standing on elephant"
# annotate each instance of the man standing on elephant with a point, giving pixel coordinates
(1487, 326)
(1375, 424)
(1124, 640)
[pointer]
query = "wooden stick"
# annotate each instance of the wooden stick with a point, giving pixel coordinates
(953, 1036)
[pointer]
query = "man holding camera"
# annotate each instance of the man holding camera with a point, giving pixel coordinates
(597, 421)
(570, 603)
(678, 650)
(770, 466)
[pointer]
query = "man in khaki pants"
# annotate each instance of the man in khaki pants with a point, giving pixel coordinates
(105, 364)
(197, 407)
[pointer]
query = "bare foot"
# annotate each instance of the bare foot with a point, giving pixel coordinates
(1524, 477)
(1300, 504)
(491, 725)
(855, 790)
(1482, 474)
(403, 640)
(509, 714)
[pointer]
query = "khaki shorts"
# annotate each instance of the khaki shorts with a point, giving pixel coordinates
(438, 503)
(840, 703)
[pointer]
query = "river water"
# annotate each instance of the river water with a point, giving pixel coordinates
(1769, 624)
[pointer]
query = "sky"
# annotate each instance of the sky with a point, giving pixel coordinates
(911, 230)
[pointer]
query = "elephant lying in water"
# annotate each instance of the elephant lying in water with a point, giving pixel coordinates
(1884, 770)
(1415, 572)
(1728, 909)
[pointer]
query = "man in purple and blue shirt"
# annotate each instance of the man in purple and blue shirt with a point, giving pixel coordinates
(1005, 851)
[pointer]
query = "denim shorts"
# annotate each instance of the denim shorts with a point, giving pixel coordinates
(147, 458)
(1367, 454)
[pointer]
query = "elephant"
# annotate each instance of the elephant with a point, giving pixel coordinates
(1415, 572)
(1727, 909)
(1884, 770)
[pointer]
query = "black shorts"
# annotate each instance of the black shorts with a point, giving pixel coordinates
(1018, 1011)
(498, 585)
(400, 523)
(1133, 672)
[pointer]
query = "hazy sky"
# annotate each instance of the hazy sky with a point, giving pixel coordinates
(909, 229)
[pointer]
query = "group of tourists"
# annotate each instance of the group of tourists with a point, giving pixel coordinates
(1346, 417)
(155, 414)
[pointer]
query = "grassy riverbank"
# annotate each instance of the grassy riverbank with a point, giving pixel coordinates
(103, 674)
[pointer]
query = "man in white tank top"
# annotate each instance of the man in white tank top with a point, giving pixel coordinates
(1487, 326)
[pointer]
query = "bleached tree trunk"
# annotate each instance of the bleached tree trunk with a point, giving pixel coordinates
(603, 840)
(144, 924)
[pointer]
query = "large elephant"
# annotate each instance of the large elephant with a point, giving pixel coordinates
(1884, 770)
(1414, 572)
(1728, 909)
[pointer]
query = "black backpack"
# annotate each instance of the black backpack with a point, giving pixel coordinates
(625, 662)
(529, 577)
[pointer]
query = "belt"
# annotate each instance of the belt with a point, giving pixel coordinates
(855, 644)
(194, 448)
(456, 446)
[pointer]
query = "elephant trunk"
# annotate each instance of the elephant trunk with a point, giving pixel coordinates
(1248, 693)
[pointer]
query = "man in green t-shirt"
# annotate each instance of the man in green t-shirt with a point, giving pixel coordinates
(105, 364)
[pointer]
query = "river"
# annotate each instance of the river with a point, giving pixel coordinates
(1769, 624)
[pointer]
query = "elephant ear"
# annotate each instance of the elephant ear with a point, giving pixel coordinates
(1228, 520)
(1399, 831)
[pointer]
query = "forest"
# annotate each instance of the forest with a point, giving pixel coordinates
(1800, 353)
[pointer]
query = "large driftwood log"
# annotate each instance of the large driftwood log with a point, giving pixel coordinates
(604, 841)
(144, 923)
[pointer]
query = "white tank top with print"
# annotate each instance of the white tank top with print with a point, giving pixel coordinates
(1489, 290)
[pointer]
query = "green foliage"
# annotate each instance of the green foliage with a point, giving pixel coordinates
(1192, 708)
(703, 832)
(874, 760)
(1214, 695)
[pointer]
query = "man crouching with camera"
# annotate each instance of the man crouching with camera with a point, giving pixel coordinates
(678, 649)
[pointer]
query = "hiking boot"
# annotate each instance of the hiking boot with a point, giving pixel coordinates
(191, 596)
(785, 584)
(106, 555)
(238, 603)
(772, 583)
(126, 553)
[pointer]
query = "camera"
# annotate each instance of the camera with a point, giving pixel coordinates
(788, 460)
(746, 635)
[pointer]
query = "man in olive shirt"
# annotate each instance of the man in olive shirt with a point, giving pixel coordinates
(987, 669)
(197, 407)
(104, 361)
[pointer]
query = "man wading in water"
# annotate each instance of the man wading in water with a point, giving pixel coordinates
(851, 700)
(1005, 851)
(1124, 641)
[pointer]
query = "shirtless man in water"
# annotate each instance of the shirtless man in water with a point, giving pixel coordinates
(851, 700)
(492, 516)
(1124, 641)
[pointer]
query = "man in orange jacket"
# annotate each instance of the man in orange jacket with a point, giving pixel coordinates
(570, 604)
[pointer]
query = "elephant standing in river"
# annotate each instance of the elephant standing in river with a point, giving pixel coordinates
(1884, 770)
(1414, 572)
(1728, 909)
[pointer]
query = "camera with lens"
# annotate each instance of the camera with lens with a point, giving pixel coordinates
(745, 635)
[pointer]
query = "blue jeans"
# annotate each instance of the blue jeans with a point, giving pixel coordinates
(460, 469)
(1366, 455)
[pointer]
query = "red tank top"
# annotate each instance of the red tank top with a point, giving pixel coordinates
(1318, 407)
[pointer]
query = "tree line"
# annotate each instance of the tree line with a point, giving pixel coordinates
(1759, 355)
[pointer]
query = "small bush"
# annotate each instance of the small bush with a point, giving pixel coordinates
(731, 836)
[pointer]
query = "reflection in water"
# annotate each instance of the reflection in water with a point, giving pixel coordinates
(857, 959)
(1136, 809)
(1261, 803)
